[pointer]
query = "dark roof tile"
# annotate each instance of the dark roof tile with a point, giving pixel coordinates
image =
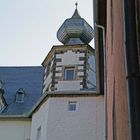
(30, 79)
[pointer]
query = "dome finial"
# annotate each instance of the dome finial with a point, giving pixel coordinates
(76, 4)
(75, 30)
(76, 14)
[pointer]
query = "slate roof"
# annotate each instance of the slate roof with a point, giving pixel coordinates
(75, 30)
(30, 79)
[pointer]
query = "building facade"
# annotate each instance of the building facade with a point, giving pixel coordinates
(120, 20)
(59, 100)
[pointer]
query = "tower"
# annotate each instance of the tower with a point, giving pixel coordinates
(72, 109)
(71, 66)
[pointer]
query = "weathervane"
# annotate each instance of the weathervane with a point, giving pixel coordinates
(76, 4)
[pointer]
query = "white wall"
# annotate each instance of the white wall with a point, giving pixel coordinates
(70, 58)
(47, 81)
(69, 85)
(48, 77)
(58, 123)
(40, 119)
(15, 130)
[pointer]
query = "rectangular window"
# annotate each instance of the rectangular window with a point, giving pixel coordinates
(72, 106)
(69, 73)
(19, 97)
(38, 137)
(20, 94)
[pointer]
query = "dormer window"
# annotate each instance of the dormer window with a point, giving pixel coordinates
(20, 96)
(1, 84)
(2, 99)
(69, 73)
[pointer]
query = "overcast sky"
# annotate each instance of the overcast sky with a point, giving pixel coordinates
(28, 28)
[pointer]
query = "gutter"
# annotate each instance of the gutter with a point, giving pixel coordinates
(105, 84)
(15, 118)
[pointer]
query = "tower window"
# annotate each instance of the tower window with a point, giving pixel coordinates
(72, 106)
(69, 73)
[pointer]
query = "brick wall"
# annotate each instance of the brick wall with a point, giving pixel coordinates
(117, 97)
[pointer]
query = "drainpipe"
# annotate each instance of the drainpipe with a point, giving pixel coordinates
(105, 95)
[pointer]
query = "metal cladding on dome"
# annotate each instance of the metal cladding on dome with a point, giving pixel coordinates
(75, 30)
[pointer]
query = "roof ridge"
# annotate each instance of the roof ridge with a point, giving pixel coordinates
(21, 66)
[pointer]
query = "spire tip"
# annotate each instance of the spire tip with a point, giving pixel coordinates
(76, 4)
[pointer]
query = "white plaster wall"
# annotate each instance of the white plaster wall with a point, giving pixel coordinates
(69, 85)
(80, 73)
(58, 74)
(15, 130)
(70, 58)
(40, 119)
(80, 67)
(59, 68)
(47, 81)
(86, 123)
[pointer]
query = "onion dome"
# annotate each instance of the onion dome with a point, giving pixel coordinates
(75, 30)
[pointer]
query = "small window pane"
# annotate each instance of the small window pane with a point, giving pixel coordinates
(69, 73)
(72, 106)
(38, 134)
(19, 97)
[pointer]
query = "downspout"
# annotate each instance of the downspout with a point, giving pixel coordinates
(105, 95)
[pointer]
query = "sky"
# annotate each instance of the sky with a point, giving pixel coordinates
(28, 28)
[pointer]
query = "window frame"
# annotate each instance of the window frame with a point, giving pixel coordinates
(19, 97)
(71, 106)
(65, 73)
